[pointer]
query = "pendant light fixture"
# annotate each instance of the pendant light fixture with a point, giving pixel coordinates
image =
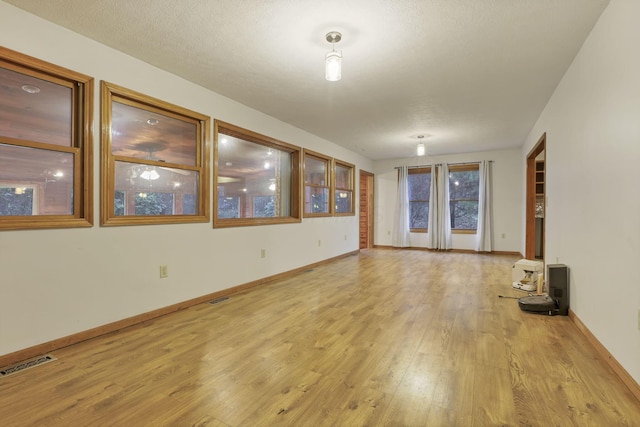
(333, 59)
(421, 150)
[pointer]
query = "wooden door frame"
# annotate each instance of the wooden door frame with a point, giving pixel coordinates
(530, 227)
(367, 176)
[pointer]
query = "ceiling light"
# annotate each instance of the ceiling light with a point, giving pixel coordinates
(30, 88)
(150, 174)
(333, 59)
(153, 122)
(272, 187)
(421, 150)
(267, 165)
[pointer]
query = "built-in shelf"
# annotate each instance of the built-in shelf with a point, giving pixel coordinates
(540, 177)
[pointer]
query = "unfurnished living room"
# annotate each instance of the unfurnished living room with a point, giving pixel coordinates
(338, 213)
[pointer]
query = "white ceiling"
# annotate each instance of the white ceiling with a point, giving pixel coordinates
(470, 75)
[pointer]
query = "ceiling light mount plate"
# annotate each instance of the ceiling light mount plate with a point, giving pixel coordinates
(334, 37)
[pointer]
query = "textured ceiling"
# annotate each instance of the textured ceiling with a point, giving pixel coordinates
(470, 75)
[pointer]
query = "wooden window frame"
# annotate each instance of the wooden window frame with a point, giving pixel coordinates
(336, 189)
(81, 142)
(328, 172)
(463, 168)
(111, 92)
(295, 214)
(418, 171)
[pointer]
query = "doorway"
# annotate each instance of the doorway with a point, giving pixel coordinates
(366, 210)
(535, 207)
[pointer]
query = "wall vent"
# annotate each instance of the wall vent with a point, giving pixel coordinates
(31, 363)
(218, 300)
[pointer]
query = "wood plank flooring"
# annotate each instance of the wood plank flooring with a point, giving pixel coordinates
(383, 338)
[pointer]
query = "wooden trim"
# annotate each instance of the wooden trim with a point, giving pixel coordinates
(530, 224)
(607, 357)
(56, 344)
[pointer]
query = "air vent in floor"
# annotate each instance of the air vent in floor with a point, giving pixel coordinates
(218, 300)
(31, 363)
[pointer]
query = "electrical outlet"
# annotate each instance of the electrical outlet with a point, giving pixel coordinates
(263, 253)
(638, 319)
(504, 235)
(164, 271)
(345, 237)
(319, 243)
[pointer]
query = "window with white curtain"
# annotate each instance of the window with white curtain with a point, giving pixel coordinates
(419, 185)
(463, 197)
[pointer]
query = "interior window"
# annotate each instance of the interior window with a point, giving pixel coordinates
(257, 178)
(317, 184)
(45, 144)
(344, 185)
(155, 160)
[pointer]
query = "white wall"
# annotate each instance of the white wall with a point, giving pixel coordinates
(59, 282)
(507, 206)
(592, 153)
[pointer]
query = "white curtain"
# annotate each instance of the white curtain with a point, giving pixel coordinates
(439, 216)
(484, 235)
(400, 235)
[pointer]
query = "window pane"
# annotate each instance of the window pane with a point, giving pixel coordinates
(463, 196)
(316, 200)
(154, 203)
(16, 201)
(143, 189)
(143, 134)
(419, 215)
(229, 207)
(315, 171)
(464, 185)
(464, 215)
(343, 201)
(248, 171)
(264, 206)
(419, 186)
(48, 173)
(189, 206)
(343, 177)
(35, 110)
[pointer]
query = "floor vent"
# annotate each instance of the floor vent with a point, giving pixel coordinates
(218, 300)
(31, 363)
(308, 270)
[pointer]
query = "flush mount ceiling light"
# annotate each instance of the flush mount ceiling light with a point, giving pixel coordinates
(30, 89)
(333, 59)
(421, 149)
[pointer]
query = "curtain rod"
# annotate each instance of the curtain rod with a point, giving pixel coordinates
(451, 164)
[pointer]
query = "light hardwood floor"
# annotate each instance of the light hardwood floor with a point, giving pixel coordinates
(386, 337)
